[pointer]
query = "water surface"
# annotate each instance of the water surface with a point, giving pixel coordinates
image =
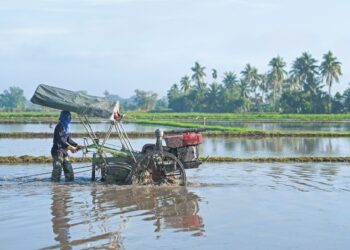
(225, 206)
(76, 127)
(296, 127)
(289, 126)
(234, 147)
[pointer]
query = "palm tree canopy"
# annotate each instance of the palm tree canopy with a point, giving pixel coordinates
(173, 92)
(251, 76)
(277, 71)
(247, 72)
(198, 74)
(330, 68)
(230, 79)
(244, 88)
(276, 74)
(214, 73)
(304, 71)
(185, 83)
(214, 89)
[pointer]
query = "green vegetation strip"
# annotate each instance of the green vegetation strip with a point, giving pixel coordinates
(28, 117)
(239, 117)
(28, 114)
(27, 159)
(36, 117)
(234, 131)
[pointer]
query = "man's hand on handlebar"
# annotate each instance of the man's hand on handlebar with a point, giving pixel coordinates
(70, 148)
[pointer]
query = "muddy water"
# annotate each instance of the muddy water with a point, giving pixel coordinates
(234, 147)
(77, 127)
(225, 206)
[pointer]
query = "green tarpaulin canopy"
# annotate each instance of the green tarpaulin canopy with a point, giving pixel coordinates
(72, 101)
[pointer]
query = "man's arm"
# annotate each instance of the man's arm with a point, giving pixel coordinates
(63, 140)
(71, 142)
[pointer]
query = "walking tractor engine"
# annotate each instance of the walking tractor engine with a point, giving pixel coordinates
(184, 145)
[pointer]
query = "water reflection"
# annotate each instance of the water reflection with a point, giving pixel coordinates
(99, 219)
(265, 204)
(288, 126)
(60, 216)
(271, 147)
(305, 177)
(235, 147)
(267, 126)
(76, 127)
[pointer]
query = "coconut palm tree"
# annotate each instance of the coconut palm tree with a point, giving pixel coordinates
(230, 79)
(244, 94)
(185, 83)
(276, 75)
(263, 86)
(304, 73)
(213, 97)
(252, 78)
(244, 89)
(173, 92)
(198, 75)
(330, 70)
(214, 74)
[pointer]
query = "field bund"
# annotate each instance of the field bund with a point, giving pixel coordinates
(27, 159)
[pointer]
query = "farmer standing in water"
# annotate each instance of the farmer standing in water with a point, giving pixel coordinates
(61, 144)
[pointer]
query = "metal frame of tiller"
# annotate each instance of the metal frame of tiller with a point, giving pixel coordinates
(101, 160)
(155, 164)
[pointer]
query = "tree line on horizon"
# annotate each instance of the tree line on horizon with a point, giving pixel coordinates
(300, 90)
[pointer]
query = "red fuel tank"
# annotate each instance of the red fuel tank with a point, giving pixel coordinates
(183, 140)
(191, 139)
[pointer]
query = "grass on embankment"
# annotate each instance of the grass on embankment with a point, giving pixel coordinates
(26, 159)
(209, 133)
(49, 116)
(239, 117)
(213, 131)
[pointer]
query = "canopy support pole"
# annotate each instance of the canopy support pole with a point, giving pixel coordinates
(107, 135)
(124, 137)
(89, 130)
(93, 136)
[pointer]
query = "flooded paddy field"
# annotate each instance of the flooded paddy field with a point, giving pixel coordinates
(225, 206)
(76, 127)
(265, 126)
(284, 126)
(233, 147)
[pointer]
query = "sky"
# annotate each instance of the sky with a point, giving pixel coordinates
(123, 45)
